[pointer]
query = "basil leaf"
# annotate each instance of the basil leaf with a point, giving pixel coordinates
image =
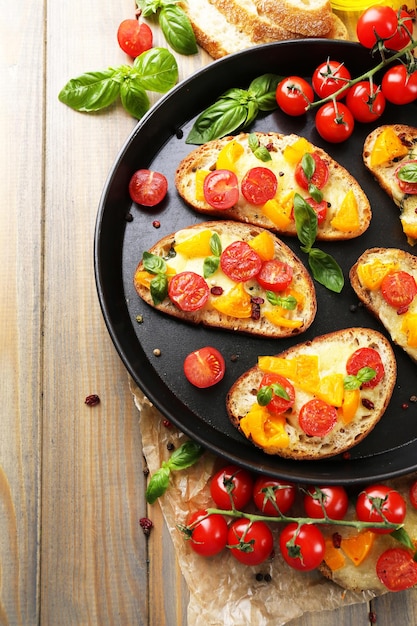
(148, 7)
(364, 375)
(263, 89)
(159, 288)
(157, 69)
(185, 456)
(306, 222)
(91, 91)
(253, 142)
(218, 120)
(308, 165)
(158, 484)
(326, 270)
(351, 382)
(154, 263)
(177, 30)
(408, 173)
(264, 395)
(286, 302)
(260, 152)
(210, 265)
(252, 112)
(280, 391)
(134, 98)
(315, 193)
(215, 244)
(401, 535)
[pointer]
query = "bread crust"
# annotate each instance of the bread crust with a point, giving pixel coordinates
(211, 317)
(342, 437)
(311, 18)
(373, 299)
(204, 157)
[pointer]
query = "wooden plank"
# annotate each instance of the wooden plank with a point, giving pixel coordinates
(21, 215)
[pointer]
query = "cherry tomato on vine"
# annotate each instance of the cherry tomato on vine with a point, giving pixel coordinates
(397, 569)
(317, 417)
(334, 122)
(320, 174)
(413, 494)
(278, 404)
(251, 543)
(379, 503)
(188, 290)
(240, 262)
(275, 275)
(302, 546)
(204, 367)
(332, 501)
(377, 22)
(366, 357)
(398, 86)
(221, 189)
(365, 101)
(402, 34)
(147, 187)
(231, 483)
(329, 77)
(293, 95)
(208, 533)
(399, 289)
(259, 185)
(134, 37)
(282, 495)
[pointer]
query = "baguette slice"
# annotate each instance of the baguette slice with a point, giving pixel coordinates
(385, 149)
(257, 317)
(341, 184)
(366, 276)
(312, 18)
(284, 436)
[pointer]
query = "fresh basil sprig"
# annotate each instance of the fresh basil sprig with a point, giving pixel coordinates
(261, 152)
(185, 456)
(235, 109)
(154, 70)
(154, 264)
(211, 263)
(324, 267)
(364, 375)
(174, 23)
(265, 394)
(286, 302)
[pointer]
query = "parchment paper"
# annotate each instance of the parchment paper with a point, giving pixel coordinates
(224, 592)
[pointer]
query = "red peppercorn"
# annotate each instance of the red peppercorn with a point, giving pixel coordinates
(92, 400)
(146, 525)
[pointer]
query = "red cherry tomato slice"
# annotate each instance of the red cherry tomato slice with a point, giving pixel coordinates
(329, 77)
(407, 187)
(317, 418)
(275, 275)
(134, 38)
(208, 533)
(293, 95)
(302, 547)
(221, 189)
(366, 101)
(334, 122)
(366, 357)
(259, 185)
(204, 367)
(399, 289)
(277, 404)
(282, 495)
(240, 262)
(396, 569)
(377, 22)
(231, 484)
(320, 209)
(379, 503)
(252, 542)
(189, 291)
(413, 494)
(147, 187)
(320, 175)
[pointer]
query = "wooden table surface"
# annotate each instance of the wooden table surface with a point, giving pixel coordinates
(71, 476)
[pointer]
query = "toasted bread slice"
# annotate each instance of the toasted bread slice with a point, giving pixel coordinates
(242, 305)
(312, 18)
(316, 369)
(386, 149)
(348, 212)
(366, 277)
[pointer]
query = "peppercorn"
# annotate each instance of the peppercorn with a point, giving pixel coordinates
(146, 525)
(92, 400)
(170, 446)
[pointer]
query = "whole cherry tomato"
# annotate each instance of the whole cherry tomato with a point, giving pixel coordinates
(332, 501)
(147, 187)
(334, 122)
(251, 543)
(272, 496)
(398, 86)
(302, 547)
(377, 22)
(208, 533)
(379, 503)
(293, 95)
(365, 101)
(204, 367)
(134, 37)
(397, 569)
(259, 185)
(402, 34)
(231, 485)
(329, 77)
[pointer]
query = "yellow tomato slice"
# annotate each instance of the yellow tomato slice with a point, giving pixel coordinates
(197, 245)
(387, 147)
(236, 302)
(347, 217)
(263, 244)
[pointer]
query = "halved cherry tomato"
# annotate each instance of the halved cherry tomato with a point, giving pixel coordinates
(329, 77)
(413, 494)
(406, 186)
(334, 122)
(293, 95)
(275, 275)
(319, 177)
(317, 418)
(259, 185)
(188, 290)
(208, 533)
(365, 101)
(302, 547)
(240, 262)
(376, 22)
(397, 569)
(272, 496)
(134, 37)
(332, 501)
(231, 484)
(204, 367)
(320, 208)
(398, 86)
(251, 543)
(380, 503)
(399, 289)
(147, 187)
(366, 357)
(278, 404)
(221, 189)
(402, 35)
